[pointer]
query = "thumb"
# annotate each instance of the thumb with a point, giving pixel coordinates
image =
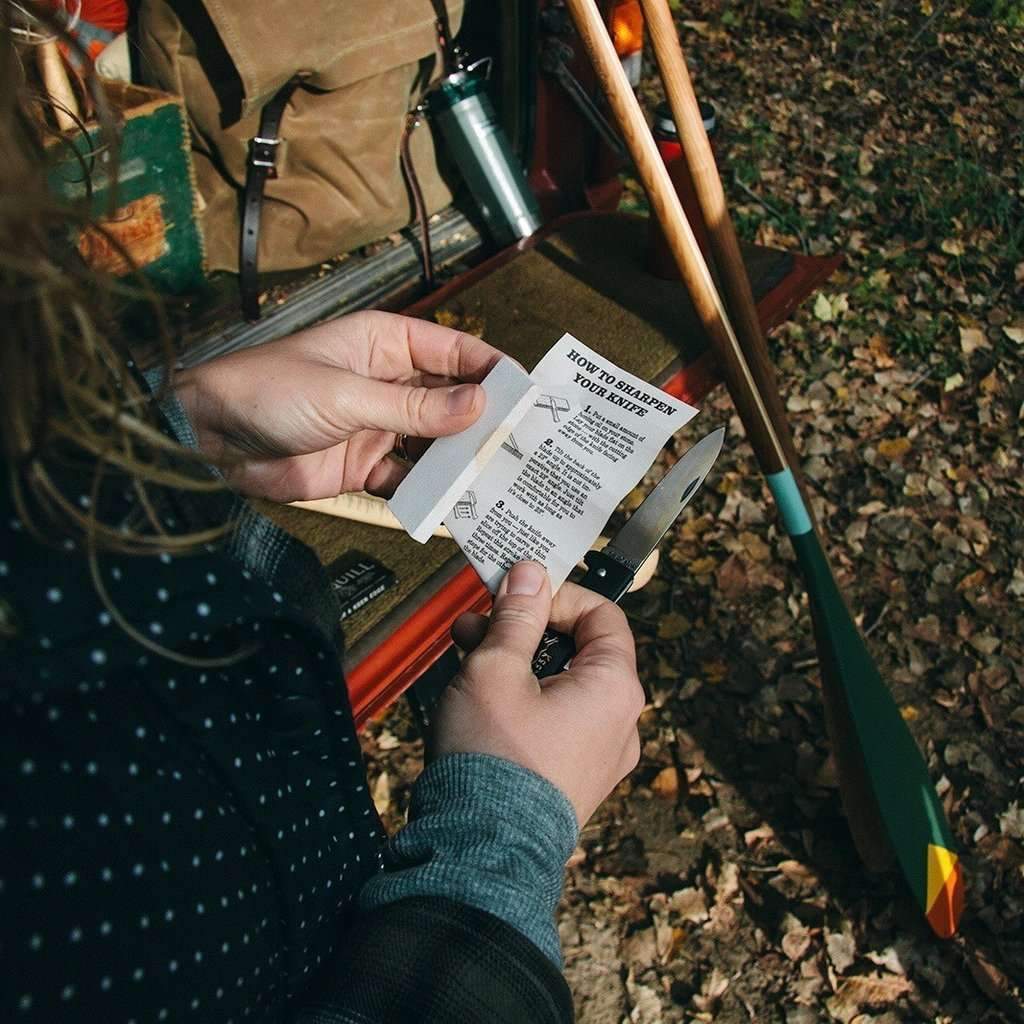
(522, 608)
(416, 411)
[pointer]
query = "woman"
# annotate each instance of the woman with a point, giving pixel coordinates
(185, 828)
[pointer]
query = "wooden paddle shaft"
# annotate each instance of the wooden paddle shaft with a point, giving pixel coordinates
(772, 456)
(678, 234)
(862, 811)
(725, 247)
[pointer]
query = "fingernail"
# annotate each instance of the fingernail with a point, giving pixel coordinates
(460, 399)
(525, 579)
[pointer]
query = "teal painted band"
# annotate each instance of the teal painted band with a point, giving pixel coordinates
(791, 505)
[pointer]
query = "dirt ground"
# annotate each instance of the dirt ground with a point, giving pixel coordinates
(720, 882)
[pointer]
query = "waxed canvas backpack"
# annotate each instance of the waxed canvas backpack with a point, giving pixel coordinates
(343, 74)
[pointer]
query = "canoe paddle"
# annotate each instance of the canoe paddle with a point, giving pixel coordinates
(885, 782)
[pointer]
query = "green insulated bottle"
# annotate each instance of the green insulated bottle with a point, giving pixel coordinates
(462, 110)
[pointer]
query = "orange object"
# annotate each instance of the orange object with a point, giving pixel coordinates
(111, 15)
(627, 26)
(134, 236)
(945, 899)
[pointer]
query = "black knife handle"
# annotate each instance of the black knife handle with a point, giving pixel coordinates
(605, 576)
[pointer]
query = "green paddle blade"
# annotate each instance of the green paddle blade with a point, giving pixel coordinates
(903, 789)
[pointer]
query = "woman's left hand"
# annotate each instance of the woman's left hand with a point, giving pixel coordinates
(319, 413)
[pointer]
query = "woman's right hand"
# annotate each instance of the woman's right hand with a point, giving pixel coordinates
(578, 730)
(318, 413)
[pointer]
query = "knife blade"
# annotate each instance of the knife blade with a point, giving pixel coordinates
(611, 571)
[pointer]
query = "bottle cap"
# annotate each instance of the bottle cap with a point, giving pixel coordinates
(454, 88)
(665, 124)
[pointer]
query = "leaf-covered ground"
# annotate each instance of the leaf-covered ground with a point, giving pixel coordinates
(720, 883)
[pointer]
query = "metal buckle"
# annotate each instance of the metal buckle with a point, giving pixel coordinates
(263, 153)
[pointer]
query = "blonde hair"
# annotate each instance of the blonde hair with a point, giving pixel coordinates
(69, 396)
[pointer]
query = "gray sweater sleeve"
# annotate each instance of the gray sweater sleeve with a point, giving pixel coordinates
(488, 833)
(172, 409)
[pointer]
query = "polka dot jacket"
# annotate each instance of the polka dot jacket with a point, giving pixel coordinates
(177, 842)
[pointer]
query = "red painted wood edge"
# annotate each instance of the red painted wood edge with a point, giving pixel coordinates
(395, 664)
(776, 306)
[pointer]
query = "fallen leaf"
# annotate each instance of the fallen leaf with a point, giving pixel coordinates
(387, 740)
(672, 626)
(927, 629)
(690, 905)
(872, 508)
(990, 383)
(952, 382)
(712, 989)
(888, 958)
(666, 783)
(878, 346)
(894, 448)
(1015, 334)
(647, 1008)
(985, 643)
(667, 940)
(755, 836)
(382, 792)
(842, 950)
(797, 872)
(714, 671)
(972, 580)
(755, 546)
(727, 884)
(823, 308)
(576, 858)
(971, 339)
(666, 669)
(991, 980)
(866, 990)
(1011, 821)
(795, 943)
(640, 948)
(732, 578)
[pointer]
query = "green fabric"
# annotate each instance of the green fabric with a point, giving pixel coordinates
(485, 832)
(902, 786)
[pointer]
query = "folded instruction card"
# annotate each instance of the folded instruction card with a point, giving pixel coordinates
(543, 469)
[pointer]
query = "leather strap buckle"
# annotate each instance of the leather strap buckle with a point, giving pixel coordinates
(260, 167)
(263, 153)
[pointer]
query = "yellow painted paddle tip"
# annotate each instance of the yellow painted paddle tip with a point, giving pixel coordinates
(945, 891)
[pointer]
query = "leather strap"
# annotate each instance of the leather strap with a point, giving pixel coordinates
(412, 121)
(444, 36)
(261, 165)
